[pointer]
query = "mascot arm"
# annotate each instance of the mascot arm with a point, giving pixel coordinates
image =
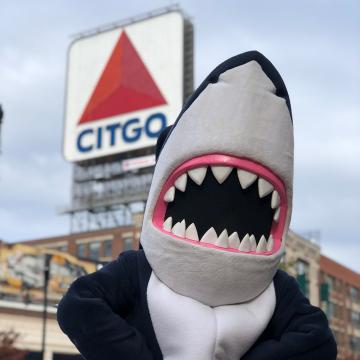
(92, 315)
(297, 331)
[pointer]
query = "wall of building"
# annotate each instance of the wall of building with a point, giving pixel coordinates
(102, 245)
(340, 299)
(26, 320)
(302, 261)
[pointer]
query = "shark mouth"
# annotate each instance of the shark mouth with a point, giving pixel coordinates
(225, 203)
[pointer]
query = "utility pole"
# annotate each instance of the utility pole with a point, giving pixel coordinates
(46, 283)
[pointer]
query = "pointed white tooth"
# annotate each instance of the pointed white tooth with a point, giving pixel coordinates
(277, 214)
(168, 224)
(246, 178)
(252, 243)
(275, 199)
(262, 246)
(191, 232)
(265, 187)
(234, 241)
(245, 244)
(221, 173)
(223, 239)
(198, 175)
(270, 244)
(180, 182)
(179, 229)
(175, 228)
(170, 195)
(210, 236)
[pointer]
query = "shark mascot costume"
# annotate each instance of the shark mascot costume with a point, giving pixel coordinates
(206, 285)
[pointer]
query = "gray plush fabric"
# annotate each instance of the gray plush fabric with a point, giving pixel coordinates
(240, 115)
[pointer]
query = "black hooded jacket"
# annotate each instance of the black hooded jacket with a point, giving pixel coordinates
(106, 316)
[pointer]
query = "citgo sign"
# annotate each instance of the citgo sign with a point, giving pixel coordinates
(123, 87)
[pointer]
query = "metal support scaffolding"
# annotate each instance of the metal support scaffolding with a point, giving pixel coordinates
(105, 196)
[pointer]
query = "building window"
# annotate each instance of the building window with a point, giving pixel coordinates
(330, 280)
(355, 319)
(128, 244)
(334, 311)
(337, 336)
(354, 294)
(94, 250)
(302, 267)
(302, 276)
(107, 248)
(34, 355)
(338, 285)
(330, 310)
(62, 248)
(81, 250)
(58, 356)
(324, 292)
(355, 343)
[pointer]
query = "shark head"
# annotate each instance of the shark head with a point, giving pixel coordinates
(220, 202)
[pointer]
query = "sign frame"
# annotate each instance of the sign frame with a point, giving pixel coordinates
(150, 128)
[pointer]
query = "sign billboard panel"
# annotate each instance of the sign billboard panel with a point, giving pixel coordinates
(123, 87)
(139, 162)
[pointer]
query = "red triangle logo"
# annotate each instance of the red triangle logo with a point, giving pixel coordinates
(124, 86)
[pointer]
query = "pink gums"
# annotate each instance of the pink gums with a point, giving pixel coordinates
(226, 160)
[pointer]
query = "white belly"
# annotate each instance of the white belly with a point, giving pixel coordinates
(189, 330)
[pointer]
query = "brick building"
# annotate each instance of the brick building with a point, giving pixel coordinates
(101, 245)
(328, 284)
(340, 299)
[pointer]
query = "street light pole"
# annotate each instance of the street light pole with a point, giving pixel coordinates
(46, 283)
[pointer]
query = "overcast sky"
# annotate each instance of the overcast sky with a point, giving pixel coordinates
(314, 44)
